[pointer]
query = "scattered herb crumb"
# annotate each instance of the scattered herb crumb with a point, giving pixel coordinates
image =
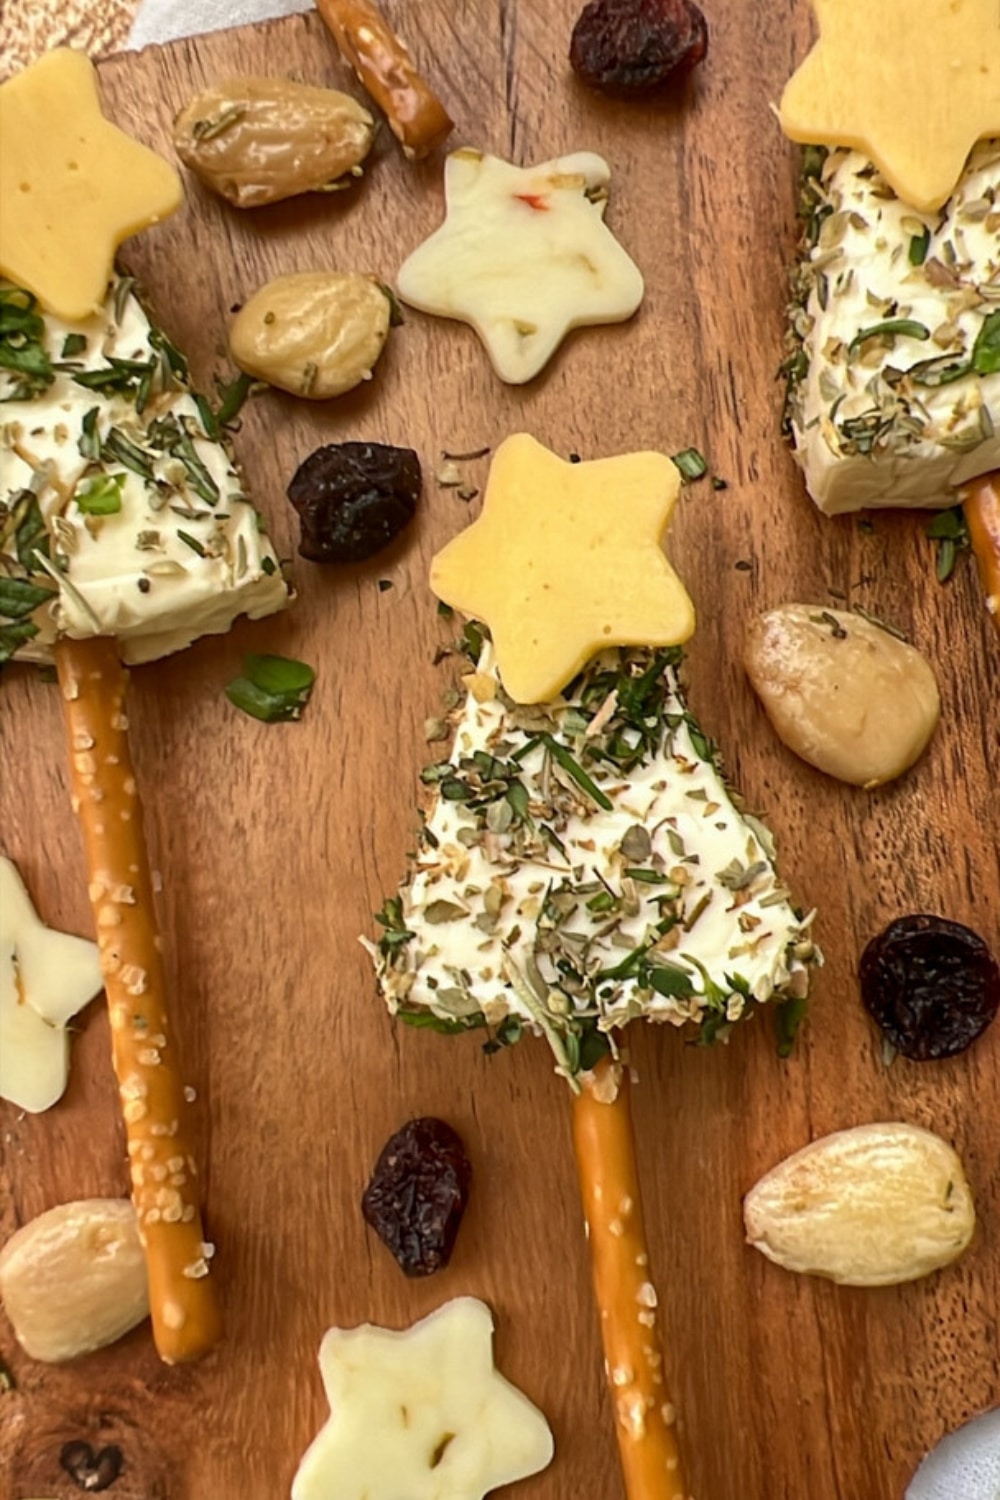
(464, 458)
(273, 689)
(788, 1017)
(866, 614)
(837, 630)
(949, 530)
(691, 464)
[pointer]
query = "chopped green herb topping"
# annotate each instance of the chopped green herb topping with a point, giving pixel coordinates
(890, 328)
(101, 495)
(919, 246)
(545, 923)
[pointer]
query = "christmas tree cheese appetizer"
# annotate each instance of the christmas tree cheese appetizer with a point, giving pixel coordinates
(582, 863)
(125, 534)
(895, 379)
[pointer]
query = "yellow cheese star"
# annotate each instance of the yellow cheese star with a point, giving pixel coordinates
(72, 185)
(423, 1414)
(911, 83)
(566, 560)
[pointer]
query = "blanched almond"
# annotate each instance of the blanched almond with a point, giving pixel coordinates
(312, 333)
(842, 692)
(258, 140)
(74, 1279)
(871, 1206)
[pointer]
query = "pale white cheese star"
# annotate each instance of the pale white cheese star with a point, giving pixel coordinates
(45, 978)
(422, 1413)
(523, 256)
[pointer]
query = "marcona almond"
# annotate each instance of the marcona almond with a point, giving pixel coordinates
(258, 140)
(846, 695)
(74, 1279)
(312, 333)
(871, 1206)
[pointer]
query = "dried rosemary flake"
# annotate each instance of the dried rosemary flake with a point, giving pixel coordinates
(464, 458)
(444, 911)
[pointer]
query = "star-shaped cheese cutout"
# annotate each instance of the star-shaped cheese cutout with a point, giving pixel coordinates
(523, 256)
(564, 560)
(423, 1414)
(45, 978)
(913, 84)
(72, 185)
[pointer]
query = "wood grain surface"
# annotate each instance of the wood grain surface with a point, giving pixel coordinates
(276, 843)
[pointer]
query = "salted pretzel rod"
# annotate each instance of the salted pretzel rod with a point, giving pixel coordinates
(182, 1296)
(366, 41)
(609, 1188)
(981, 505)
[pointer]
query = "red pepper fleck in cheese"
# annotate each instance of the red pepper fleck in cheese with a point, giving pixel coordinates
(913, 84)
(72, 185)
(566, 560)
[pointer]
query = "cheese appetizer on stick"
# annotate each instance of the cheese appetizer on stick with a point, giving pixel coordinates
(125, 533)
(894, 380)
(582, 863)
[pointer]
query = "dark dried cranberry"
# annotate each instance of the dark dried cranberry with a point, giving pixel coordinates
(89, 1470)
(636, 46)
(353, 499)
(932, 985)
(417, 1195)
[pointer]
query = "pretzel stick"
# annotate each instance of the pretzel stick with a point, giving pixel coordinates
(609, 1186)
(183, 1307)
(981, 504)
(416, 116)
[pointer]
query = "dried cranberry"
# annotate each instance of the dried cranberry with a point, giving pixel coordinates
(417, 1194)
(91, 1470)
(353, 499)
(635, 46)
(932, 985)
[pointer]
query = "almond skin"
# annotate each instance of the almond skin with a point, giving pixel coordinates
(872, 1206)
(74, 1279)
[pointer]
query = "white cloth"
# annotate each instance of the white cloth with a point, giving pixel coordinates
(166, 20)
(966, 1465)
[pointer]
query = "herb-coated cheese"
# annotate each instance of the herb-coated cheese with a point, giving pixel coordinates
(124, 512)
(584, 864)
(895, 391)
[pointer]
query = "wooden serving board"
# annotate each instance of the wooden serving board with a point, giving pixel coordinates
(276, 843)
